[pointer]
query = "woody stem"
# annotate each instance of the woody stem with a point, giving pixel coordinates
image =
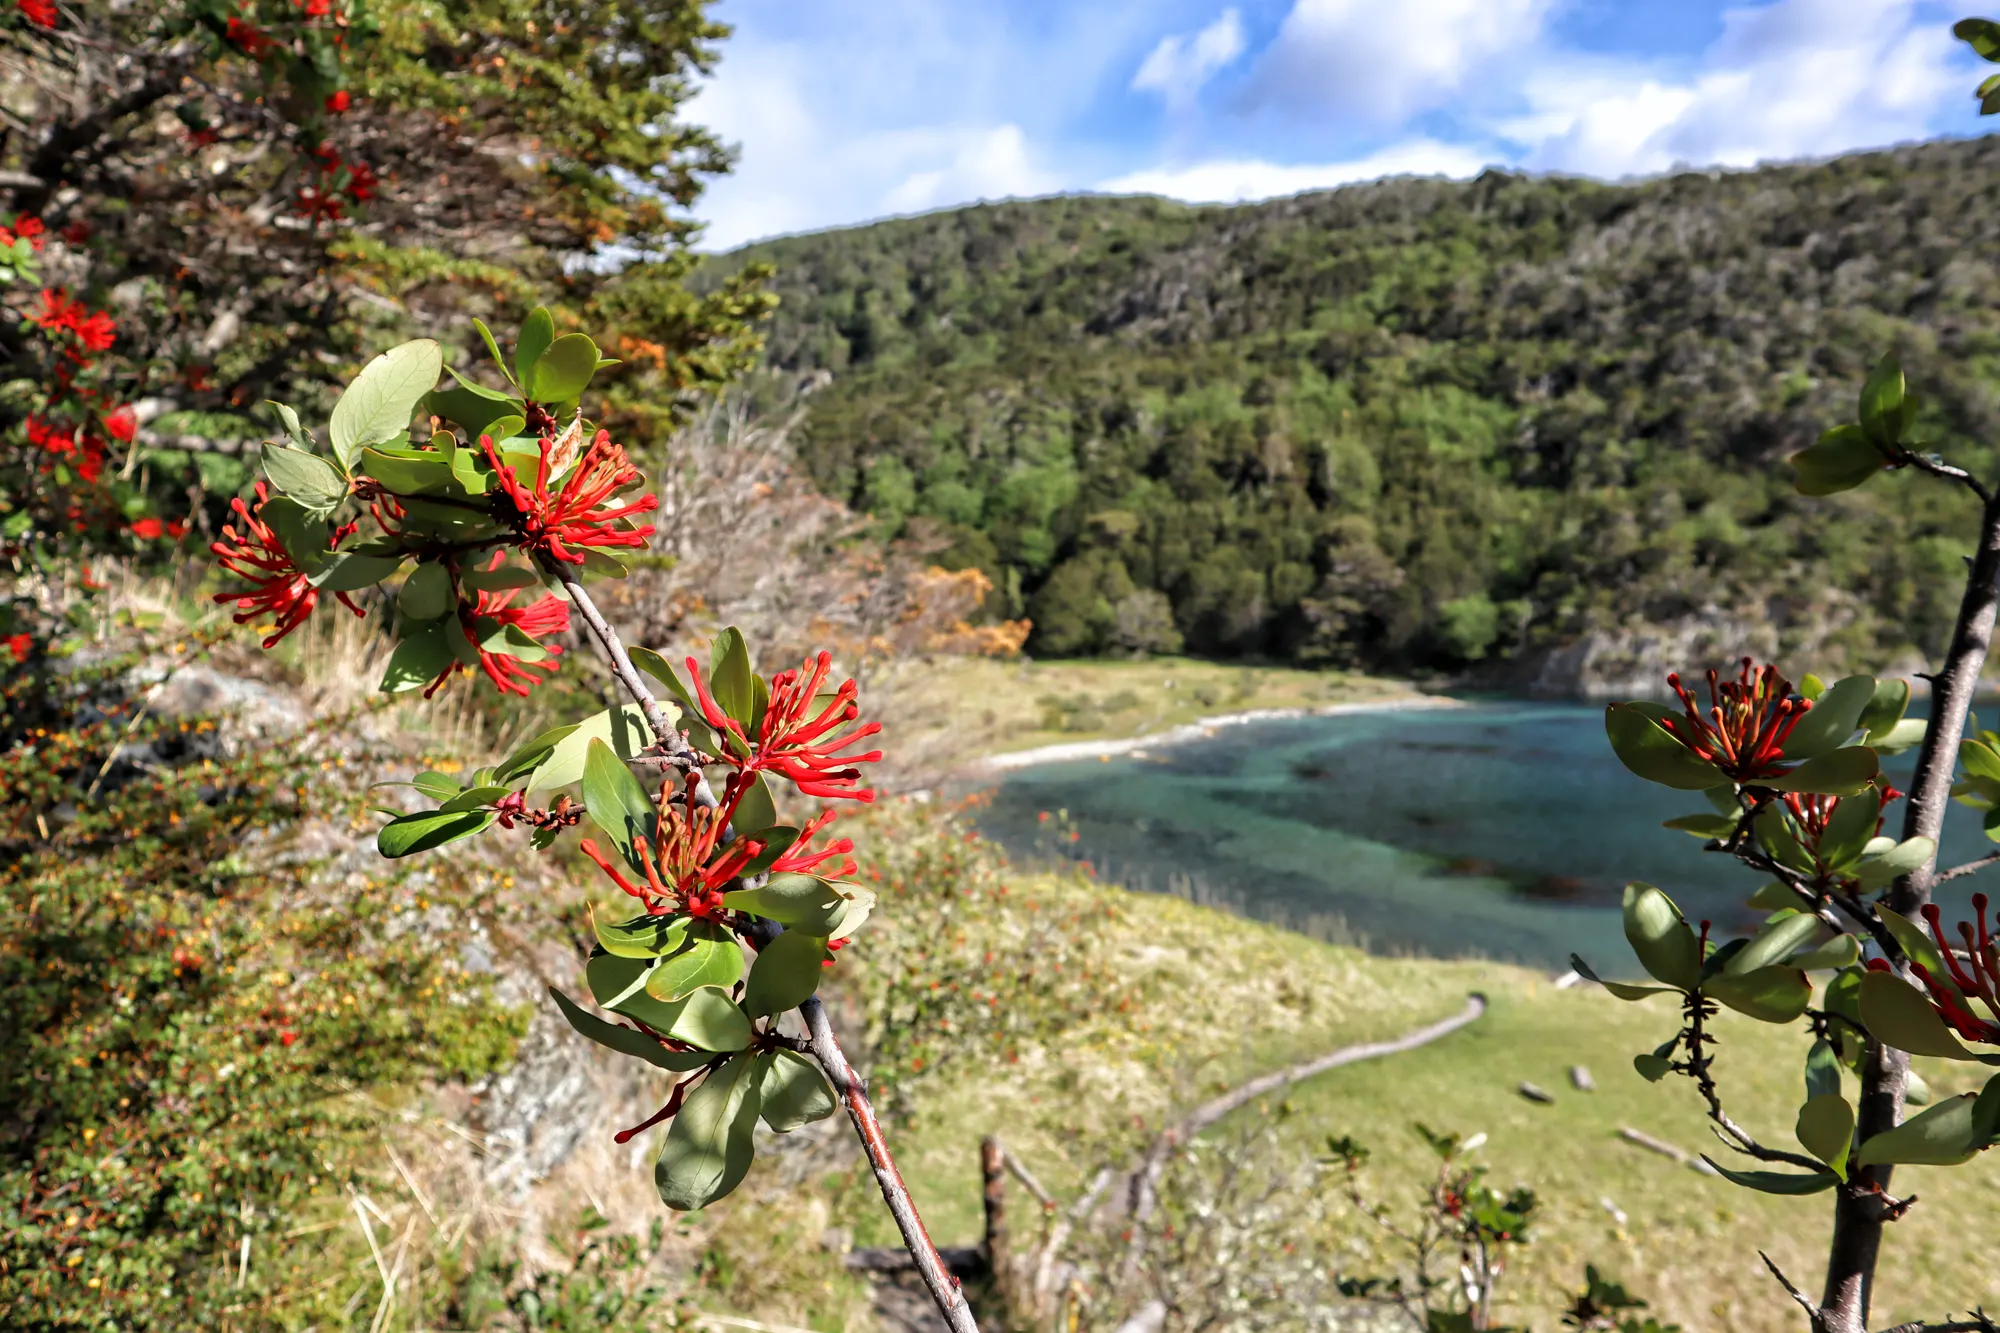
(821, 1040)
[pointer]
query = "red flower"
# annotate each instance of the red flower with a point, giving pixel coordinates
(122, 424)
(679, 873)
(576, 514)
(278, 587)
(60, 441)
(510, 674)
(802, 859)
(203, 137)
(360, 181)
(252, 40)
(41, 13)
(91, 466)
(149, 529)
(1745, 730)
(794, 740)
(337, 102)
(177, 529)
(1978, 978)
(287, 1038)
(77, 232)
(25, 228)
(312, 202)
(58, 313)
(21, 645)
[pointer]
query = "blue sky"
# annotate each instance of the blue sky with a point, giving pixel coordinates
(847, 110)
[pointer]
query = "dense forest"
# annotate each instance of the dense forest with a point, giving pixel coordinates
(1416, 424)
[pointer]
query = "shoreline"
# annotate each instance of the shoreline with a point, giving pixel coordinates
(1199, 729)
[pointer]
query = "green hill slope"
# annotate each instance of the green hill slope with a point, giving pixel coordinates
(1417, 423)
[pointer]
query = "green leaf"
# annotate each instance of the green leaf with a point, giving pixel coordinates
(706, 1018)
(1917, 945)
(461, 647)
(1642, 746)
(1826, 1130)
(348, 572)
(427, 593)
(795, 1093)
(1897, 1014)
(1885, 708)
(497, 580)
(627, 1041)
(754, 808)
(1769, 994)
(407, 835)
(493, 348)
(307, 478)
(533, 755)
(1879, 868)
(1703, 826)
(1775, 1182)
(1843, 994)
(436, 786)
(1842, 460)
(563, 371)
(538, 330)
(1986, 1111)
(648, 936)
(617, 803)
(1979, 759)
(420, 658)
(1618, 988)
(1982, 35)
(777, 840)
(805, 901)
(1882, 402)
(289, 418)
(623, 729)
(708, 1150)
(706, 956)
(663, 671)
(410, 473)
(1834, 716)
(1838, 952)
(474, 408)
(1780, 938)
(1659, 935)
(1822, 1070)
(1841, 773)
(729, 676)
(473, 798)
(377, 406)
(1850, 828)
(1772, 896)
(1652, 1068)
(1943, 1135)
(785, 975)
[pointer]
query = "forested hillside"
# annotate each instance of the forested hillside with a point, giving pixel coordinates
(1417, 424)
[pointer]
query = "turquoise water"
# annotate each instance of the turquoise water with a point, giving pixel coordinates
(1502, 830)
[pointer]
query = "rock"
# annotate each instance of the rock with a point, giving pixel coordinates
(1535, 1094)
(1580, 1079)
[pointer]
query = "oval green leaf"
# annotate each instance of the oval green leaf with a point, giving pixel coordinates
(407, 835)
(1826, 1130)
(795, 1093)
(378, 405)
(1769, 994)
(1834, 716)
(627, 1041)
(785, 975)
(1645, 748)
(1943, 1135)
(1659, 935)
(706, 956)
(1898, 1014)
(708, 1149)
(805, 901)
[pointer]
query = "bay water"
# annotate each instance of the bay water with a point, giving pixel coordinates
(1501, 829)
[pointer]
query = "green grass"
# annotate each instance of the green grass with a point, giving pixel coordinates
(1193, 1001)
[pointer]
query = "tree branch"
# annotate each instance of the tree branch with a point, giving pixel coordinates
(1969, 868)
(1696, 1066)
(1858, 1212)
(820, 1037)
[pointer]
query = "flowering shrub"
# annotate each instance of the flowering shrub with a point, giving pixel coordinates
(487, 527)
(1796, 794)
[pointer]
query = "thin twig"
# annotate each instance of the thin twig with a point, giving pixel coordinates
(1976, 1322)
(1969, 868)
(1805, 1303)
(1937, 468)
(1696, 1066)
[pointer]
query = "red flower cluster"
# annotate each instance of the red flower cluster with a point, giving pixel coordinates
(27, 228)
(337, 102)
(41, 13)
(793, 740)
(278, 587)
(62, 442)
(802, 859)
(1811, 813)
(1977, 978)
(679, 873)
(1747, 723)
(510, 674)
(21, 645)
(335, 182)
(577, 513)
(60, 314)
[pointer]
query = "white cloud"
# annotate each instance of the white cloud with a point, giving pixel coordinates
(973, 164)
(1797, 78)
(1234, 181)
(1382, 62)
(1179, 66)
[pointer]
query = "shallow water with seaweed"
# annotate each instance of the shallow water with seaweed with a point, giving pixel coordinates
(1502, 829)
